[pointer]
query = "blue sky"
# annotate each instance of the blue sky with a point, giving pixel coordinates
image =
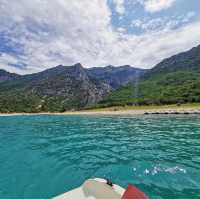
(39, 34)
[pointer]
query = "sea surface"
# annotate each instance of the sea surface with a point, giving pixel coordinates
(43, 156)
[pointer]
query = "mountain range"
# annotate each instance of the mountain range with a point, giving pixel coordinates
(61, 88)
(174, 80)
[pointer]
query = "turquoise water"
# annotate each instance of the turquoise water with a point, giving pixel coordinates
(42, 156)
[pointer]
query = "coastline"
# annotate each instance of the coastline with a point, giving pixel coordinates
(129, 110)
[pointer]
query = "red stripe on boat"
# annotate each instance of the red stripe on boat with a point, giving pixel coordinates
(133, 193)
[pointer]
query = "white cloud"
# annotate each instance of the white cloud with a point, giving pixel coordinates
(157, 5)
(8, 62)
(154, 47)
(162, 24)
(65, 32)
(57, 32)
(121, 30)
(188, 16)
(119, 5)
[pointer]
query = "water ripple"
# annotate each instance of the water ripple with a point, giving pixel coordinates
(42, 156)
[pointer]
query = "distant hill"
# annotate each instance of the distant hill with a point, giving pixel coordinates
(4, 76)
(61, 88)
(116, 76)
(174, 80)
(187, 61)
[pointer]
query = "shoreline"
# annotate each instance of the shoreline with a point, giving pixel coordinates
(147, 110)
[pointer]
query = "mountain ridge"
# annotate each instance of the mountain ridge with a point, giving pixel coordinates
(56, 89)
(188, 60)
(116, 76)
(5, 75)
(173, 80)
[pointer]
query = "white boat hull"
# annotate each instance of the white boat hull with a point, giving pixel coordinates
(94, 189)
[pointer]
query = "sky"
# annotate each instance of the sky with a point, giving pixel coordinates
(40, 34)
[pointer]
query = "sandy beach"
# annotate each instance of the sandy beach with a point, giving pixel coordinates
(168, 109)
(135, 112)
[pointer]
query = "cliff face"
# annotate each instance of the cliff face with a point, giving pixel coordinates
(70, 83)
